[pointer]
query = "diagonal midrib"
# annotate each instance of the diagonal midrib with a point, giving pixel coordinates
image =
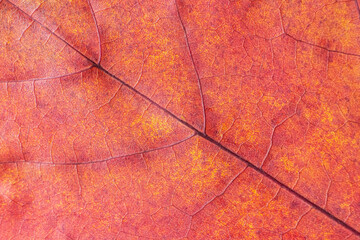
(203, 135)
(249, 164)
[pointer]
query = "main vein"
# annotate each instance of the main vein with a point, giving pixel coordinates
(203, 134)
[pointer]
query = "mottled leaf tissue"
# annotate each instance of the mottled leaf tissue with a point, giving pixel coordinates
(179, 119)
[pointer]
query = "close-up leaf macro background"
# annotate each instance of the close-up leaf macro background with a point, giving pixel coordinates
(179, 119)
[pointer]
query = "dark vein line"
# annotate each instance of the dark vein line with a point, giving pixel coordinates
(97, 30)
(206, 137)
(322, 47)
(357, 7)
(249, 164)
(193, 63)
(49, 30)
(103, 160)
(282, 185)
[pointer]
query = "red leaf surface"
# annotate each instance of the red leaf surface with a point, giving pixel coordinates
(179, 119)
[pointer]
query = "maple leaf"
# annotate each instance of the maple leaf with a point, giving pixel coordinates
(179, 119)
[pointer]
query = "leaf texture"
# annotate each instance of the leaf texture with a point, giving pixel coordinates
(179, 119)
